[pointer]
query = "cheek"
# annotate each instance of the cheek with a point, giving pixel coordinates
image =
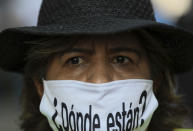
(140, 71)
(144, 69)
(54, 70)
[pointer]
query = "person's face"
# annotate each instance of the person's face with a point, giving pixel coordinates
(102, 60)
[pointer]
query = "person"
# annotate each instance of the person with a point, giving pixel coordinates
(98, 65)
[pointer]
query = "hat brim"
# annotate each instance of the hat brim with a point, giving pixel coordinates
(13, 51)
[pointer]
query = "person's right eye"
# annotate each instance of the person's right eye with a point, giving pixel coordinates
(75, 60)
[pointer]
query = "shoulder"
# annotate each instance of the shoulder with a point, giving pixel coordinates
(182, 129)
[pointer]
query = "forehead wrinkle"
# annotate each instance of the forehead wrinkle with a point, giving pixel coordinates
(96, 43)
(109, 41)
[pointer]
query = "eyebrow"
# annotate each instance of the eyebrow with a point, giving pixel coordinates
(111, 51)
(125, 49)
(79, 50)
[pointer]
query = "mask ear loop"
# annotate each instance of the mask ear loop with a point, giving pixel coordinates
(39, 85)
(43, 79)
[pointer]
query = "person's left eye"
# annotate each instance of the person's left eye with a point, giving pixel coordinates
(122, 60)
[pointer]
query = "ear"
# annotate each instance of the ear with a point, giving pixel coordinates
(39, 87)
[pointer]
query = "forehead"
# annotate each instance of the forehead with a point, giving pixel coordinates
(111, 41)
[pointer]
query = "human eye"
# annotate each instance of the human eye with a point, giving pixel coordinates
(122, 60)
(75, 60)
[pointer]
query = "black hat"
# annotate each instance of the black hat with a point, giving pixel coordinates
(100, 17)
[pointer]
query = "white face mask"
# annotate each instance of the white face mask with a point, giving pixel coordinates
(122, 105)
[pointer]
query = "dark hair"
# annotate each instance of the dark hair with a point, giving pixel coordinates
(169, 115)
(171, 112)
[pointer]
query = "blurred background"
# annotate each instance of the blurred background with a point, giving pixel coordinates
(17, 13)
